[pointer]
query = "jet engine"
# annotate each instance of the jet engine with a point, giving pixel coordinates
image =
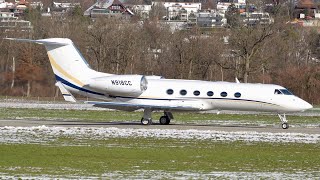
(120, 85)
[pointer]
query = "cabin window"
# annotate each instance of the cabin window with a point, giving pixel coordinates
(224, 94)
(237, 94)
(183, 92)
(170, 91)
(210, 93)
(196, 93)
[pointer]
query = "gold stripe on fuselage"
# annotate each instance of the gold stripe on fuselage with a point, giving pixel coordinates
(59, 68)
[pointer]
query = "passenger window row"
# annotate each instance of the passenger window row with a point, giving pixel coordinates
(183, 92)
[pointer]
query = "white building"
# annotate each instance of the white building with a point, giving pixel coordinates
(7, 15)
(179, 10)
(65, 5)
(4, 4)
(222, 5)
(142, 10)
(35, 4)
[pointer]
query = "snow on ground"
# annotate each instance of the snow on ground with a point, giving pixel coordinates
(156, 174)
(45, 134)
(45, 105)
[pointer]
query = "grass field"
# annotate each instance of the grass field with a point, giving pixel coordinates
(129, 155)
(149, 157)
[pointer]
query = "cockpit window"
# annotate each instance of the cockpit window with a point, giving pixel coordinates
(277, 91)
(285, 91)
(282, 91)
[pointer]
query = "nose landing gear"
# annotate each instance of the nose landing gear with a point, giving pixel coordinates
(146, 119)
(284, 122)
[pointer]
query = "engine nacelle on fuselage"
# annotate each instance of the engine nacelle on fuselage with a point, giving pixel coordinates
(120, 85)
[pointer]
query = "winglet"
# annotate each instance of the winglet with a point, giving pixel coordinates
(66, 94)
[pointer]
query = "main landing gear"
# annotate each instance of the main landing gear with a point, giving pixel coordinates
(164, 120)
(284, 122)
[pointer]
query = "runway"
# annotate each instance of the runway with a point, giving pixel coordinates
(201, 126)
(156, 125)
(25, 130)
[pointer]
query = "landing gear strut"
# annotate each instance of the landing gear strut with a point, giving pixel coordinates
(146, 119)
(284, 122)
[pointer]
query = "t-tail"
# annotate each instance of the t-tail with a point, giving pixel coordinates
(69, 66)
(73, 73)
(66, 61)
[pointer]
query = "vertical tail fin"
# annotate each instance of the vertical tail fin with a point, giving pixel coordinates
(68, 65)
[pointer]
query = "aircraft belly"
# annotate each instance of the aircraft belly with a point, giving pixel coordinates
(175, 104)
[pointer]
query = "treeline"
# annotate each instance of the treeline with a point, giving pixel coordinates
(279, 53)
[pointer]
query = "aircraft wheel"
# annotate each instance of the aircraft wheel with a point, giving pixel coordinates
(285, 125)
(164, 120)
(146, 121)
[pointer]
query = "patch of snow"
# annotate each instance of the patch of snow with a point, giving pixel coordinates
(156, 174)
(47, 105)
(45, 134)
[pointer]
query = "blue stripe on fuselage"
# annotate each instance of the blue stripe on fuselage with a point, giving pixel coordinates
(96, 93)
(58, 78)
(195, 98)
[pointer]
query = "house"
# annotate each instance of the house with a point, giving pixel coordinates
(208, 19)
(109, 8)
(3, 4)
(60, 8)
(180, 10)
(142, 10)
(304, 9)
(7, 15)
(36, 4)
(14, 25)
(257, 18)
(223, 5)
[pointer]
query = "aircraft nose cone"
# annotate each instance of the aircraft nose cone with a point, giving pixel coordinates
(305, 106)
(309, 106)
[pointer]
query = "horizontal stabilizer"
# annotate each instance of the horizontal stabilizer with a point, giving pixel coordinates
(52, 41)
(123, 105)
(66, 94)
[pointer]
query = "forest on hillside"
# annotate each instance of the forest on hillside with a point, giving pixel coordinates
(279, 53)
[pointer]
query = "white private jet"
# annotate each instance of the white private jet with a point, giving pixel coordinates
(132, 92)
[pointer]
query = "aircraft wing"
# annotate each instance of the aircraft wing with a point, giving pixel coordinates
(132, 106)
